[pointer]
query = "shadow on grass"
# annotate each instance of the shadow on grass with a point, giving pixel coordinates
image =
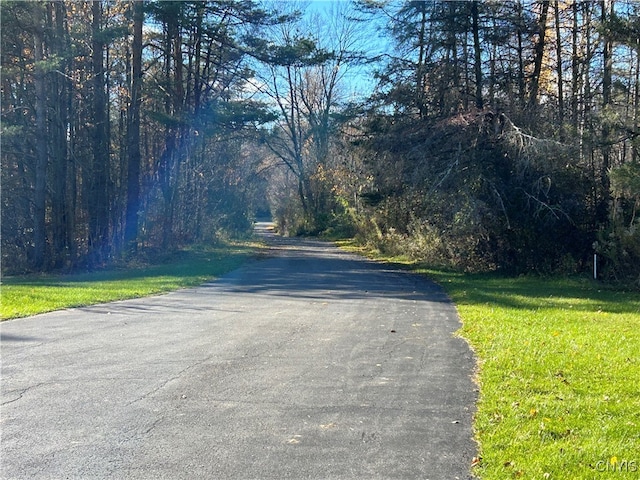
(535, 293)
(197, 264)
(30, 295)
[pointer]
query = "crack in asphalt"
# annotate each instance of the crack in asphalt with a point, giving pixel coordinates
(21, 392)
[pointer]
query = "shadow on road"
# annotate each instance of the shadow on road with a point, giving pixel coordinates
(310, 268)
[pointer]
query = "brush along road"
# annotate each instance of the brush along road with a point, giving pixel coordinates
(310, 364)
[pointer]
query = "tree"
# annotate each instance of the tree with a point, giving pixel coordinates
(539, 53)
(84, 138)
(39, 232)
(606, 11)
(97, 194)
(501, 178)
(477, 54)
(303, 80)
(478, 140)
(199, 101)
(58, 86)
(133, 131)
(289, 138)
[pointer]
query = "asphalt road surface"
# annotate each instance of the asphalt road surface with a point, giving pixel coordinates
(309, 364)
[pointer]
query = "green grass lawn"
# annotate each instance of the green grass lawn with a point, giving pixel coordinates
(558, 373)
(23, 296)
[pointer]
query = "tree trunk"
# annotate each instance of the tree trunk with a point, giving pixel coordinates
(173, 105)
(559, 70)
(607, 61)
(477, 54)
(98, 196)
(539, 55)
(421, 68)
(521, 75)
(575, 71)
(39, 214)
(636, 107)
(133, 132)
(60, 88)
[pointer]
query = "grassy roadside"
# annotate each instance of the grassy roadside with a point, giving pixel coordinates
(30, 295)
(559, 375)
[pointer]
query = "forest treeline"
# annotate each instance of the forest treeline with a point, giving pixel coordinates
(497, 134)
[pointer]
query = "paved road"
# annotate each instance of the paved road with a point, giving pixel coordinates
(312, 363)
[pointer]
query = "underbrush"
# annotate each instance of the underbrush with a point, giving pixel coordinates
(423, 242)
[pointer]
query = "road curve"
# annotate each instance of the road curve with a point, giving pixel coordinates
(309, 364)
